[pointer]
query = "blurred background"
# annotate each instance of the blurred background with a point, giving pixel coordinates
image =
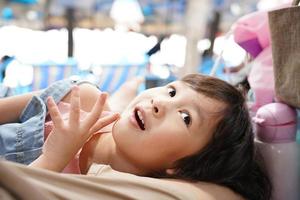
(110, 41)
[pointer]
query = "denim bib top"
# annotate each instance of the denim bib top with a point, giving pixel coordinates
(22, 142)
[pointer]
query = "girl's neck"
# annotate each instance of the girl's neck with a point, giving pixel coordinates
(102, 149)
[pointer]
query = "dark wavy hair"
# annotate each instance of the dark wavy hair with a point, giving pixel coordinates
(230, 159)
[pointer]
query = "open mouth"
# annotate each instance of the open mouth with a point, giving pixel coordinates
(139, 118)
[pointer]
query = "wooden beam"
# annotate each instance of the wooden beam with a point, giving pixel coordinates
(195, 24)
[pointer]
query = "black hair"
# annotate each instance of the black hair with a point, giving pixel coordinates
(230, 158)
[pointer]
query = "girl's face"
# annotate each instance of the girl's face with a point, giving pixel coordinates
(164, 124)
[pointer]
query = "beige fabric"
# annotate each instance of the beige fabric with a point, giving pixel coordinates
(285, 35)
(14, 186)
(102, 182)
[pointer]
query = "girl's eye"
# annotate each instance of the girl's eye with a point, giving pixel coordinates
(171, 91)
(186, 118)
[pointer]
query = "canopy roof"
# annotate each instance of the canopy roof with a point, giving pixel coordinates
(159, 16)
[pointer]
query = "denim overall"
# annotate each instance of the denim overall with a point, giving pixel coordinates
(22, 142)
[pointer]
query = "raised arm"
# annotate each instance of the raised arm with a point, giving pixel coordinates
(88, 96)
(11, 107)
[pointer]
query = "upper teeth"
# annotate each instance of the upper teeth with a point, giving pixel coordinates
(140, 116)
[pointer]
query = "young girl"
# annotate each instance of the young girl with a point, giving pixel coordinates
(197, 129)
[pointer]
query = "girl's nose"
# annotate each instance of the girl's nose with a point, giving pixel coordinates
(158, 107)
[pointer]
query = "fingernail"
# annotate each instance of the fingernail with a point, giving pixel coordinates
(75, 87)
(49, 99)
(118, 115)
(103, 94)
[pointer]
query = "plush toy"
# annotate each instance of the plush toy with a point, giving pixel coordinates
(252, 33)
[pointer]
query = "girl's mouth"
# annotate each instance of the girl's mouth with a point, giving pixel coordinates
(139, 118)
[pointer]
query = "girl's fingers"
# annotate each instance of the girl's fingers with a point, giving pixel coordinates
(75, 107)
(104, 121)
(97, 109)
(54, 113)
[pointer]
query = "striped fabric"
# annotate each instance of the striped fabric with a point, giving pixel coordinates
(112, 77)
(47, 73)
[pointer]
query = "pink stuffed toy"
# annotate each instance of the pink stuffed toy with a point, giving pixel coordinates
(252, 33)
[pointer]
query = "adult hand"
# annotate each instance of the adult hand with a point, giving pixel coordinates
(68, 137)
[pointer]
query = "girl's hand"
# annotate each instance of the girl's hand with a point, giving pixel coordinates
(68, 137)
